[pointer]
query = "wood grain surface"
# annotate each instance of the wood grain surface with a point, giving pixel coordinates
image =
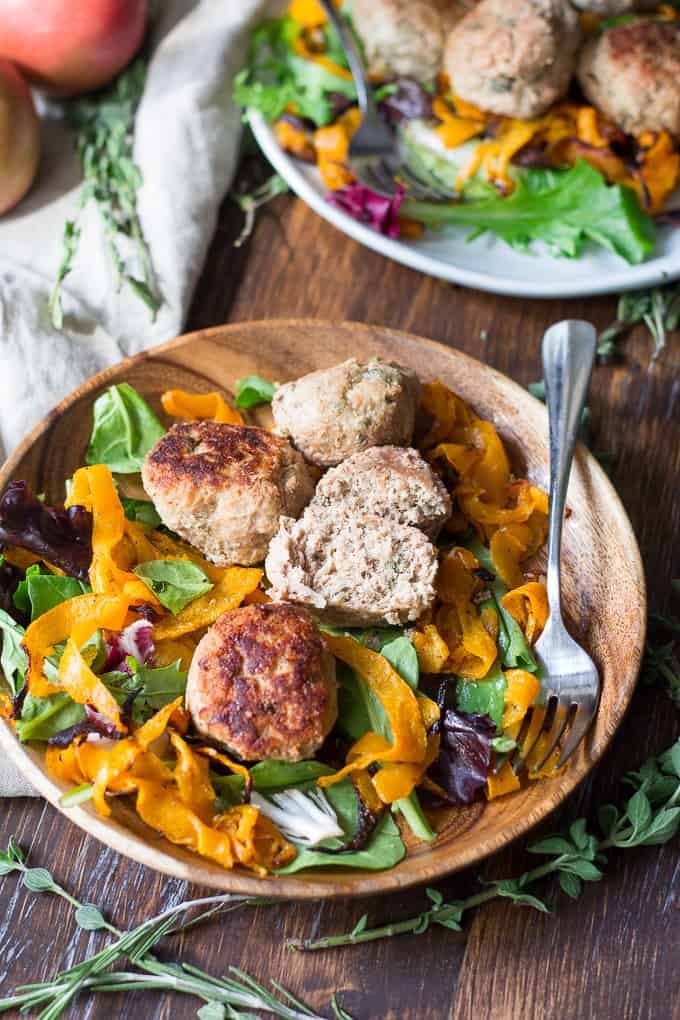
(614, 952)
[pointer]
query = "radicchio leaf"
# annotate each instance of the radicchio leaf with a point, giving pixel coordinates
(367, 206)
(462, 767)
(136, 641)
(64, 537)
(9, 579)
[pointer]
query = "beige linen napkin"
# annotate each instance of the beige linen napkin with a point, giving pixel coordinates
(186, 143)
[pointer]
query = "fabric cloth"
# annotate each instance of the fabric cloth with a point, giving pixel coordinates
(186, 145)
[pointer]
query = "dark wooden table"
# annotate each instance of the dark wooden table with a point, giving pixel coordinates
(614, 952)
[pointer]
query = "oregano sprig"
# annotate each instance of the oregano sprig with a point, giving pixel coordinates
(104, 127)
(649, 817)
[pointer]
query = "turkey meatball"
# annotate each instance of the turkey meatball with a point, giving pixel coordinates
(406, 37)
(390, 482)
(262, 684)
(224, 487)
(513, 57)
(631, 73)
(333, 413)
(352, 571)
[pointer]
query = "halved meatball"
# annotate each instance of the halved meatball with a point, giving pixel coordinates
(390, 482)
(262, 684)
(513, 57)
(333, 413)
(632, 74)
(406, 37)
(224, 487)
(352, 571)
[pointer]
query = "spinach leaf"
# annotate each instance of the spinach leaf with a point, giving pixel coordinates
(564, 211)
(268, 776)
(155, 688)
(254, 390)
(124, 430)
(41, 718)
(21, 599)
(141, 510)
(401, 654)
(175, 583)
(13, 661)
(384, 850)
(45, 591)
(483, 697)
(513, 647)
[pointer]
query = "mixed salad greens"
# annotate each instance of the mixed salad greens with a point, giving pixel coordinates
(569, 181)
(102, 608)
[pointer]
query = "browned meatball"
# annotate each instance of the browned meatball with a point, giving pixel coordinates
(513, 57)
(391, 482)
(352, 571)
(262, 684)
(333, 413)
(632, 74)
(224, 487)
(406, 37)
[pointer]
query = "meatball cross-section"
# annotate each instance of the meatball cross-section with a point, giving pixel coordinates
(224, 487)
(262, 684)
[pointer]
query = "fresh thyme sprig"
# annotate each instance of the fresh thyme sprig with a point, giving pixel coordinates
(225, 998)
(650, 816)
(658, 308)
(104, 126)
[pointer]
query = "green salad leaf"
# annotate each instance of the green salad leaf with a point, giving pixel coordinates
(254, 390)
(41, 718)
(175, 583)
(124, 430)
(141, 510)
(515, 651)
(483, 697)
(276, 76)
(155, 688)
(40, 592)
(401, 654)
(563, 208)
(13, 661)
(268, 776)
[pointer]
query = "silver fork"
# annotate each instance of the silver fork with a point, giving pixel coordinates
(570, 676)
(376, 157)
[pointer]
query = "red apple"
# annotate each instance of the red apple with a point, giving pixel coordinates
(70, 48)
(19, 137)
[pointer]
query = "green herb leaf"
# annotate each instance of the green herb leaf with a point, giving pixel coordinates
(124, 430)
(38, 880)
(254, 390)
(577, 206)
(175, 583)
(570, 884)
(89, 917)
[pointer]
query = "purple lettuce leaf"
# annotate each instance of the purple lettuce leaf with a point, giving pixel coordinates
(63, 537)
(405, 99)
(464, 761)
(136, 640)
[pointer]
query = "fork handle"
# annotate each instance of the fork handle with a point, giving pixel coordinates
(568, 355)
(356, 64)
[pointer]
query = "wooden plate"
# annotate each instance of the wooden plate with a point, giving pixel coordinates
(604, 584)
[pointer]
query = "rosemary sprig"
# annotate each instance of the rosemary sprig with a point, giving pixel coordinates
(649, 817)
(224, 997)
(658, 308)
(104, 127)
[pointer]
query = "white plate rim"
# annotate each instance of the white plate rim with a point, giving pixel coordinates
(655, 272)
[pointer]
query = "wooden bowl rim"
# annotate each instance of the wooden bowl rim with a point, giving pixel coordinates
(360, 883)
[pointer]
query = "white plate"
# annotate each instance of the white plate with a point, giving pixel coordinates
(485, 263)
